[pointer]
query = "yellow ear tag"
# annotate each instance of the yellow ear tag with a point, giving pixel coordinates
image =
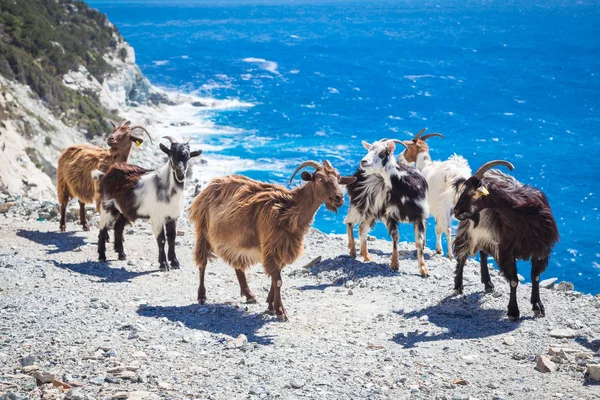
(483, 190)
(139, 144)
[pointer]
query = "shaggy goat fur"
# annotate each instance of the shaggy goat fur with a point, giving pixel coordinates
(246, 222)
(387, 191)
(129, 192)
(509, 220)
(76, 163)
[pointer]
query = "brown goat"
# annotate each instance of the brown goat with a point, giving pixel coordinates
(246, 222)
(76, 163)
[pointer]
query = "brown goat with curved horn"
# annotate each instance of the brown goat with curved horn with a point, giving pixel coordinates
(246, 222)
(77, 162)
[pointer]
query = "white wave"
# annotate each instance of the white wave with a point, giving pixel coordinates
(267, 65)
(158, 63)
(185, 57)
(394, 117)
(508, 114)
(333, 90)
(295, 71)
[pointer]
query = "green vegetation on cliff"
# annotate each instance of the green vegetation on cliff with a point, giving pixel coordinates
(41, 40)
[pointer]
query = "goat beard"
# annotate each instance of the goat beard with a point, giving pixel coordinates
(475, 218)
(331, 208)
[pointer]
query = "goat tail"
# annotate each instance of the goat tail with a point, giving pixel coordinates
(199, 216)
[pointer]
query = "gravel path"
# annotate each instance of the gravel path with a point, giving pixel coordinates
(356, 330)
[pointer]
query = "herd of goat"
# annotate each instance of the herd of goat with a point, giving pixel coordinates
(245, 222)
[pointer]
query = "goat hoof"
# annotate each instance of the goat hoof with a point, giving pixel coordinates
(175, 264)
(489, 288)
(451, 258)
(102, 259)
(122, 256)
(63, 228)
(513, 318)
(439, 251)
(86, 227)
(458, 290)
(366, 258)
(201, 300)
(251, 300)
(164, 266)
(353, 253)
(538, 310)
(394, 267)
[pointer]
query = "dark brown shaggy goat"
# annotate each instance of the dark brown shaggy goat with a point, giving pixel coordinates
(246, 222)
(76, 163)
(509, 220)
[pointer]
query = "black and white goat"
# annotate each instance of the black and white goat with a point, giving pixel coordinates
(387, 191)
(129, 192)
(509, 220)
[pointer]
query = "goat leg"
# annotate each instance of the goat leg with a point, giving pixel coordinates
(485, 272)
(508, 266)
(458, 275)
(438, 237)
(420, 245)
(63, 216)
(351, 243)
(102, 236)
(276, 284)
(162, 258)
(392, 226)
(171, 233)
(119, 228)
(201, 288)
(244, 288)
(82, 218)
(537, 267)
(363, 229)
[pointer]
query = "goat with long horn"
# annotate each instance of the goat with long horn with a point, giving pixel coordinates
(509, 220)
(246, 222)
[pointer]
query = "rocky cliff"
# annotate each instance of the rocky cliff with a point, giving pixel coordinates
(45, 106)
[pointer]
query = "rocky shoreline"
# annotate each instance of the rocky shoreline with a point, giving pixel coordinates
(74, 328)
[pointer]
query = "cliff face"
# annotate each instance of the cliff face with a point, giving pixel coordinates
(44, 106)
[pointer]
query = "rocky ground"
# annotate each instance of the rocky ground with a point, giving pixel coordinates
(73, 328)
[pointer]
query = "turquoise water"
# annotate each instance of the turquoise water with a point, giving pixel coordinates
(498, 79)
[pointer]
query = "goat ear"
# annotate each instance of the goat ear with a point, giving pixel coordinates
(346, 180)
(306, 176)
(195, 153)
(391, 146)
(165, 149)
(366, 145)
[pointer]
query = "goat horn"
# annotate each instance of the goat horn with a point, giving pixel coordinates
(327, 165)
(144, 129)
(399, 142)
(113, 123)
(383, 140)
(418, 135)
(309, 163)
(431, 135)
(170, 139)
(126, 123)
(491, 164)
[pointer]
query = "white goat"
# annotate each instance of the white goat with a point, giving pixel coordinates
(443, 179)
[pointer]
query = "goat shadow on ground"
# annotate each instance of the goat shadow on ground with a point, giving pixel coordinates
(402, 255)
(64, 241)
(223, 319)
(352, 268)
(461, 316)
(102, 270)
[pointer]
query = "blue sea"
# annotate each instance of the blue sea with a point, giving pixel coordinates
(500, 79)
